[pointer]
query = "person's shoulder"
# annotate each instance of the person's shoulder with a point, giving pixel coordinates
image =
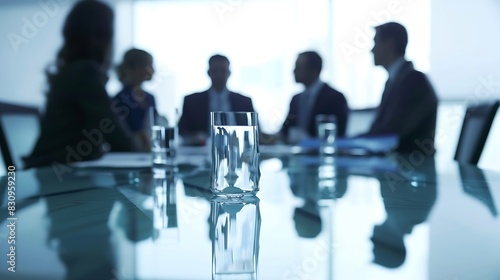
(409, 73)
(196, 95)
(79, 76)
(239, 95)
(419, 80)
(82, 72)
(415, 74)
(415, 77)
(330, 91)
(122, 92)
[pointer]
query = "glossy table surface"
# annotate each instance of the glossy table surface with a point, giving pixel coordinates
(396, 217)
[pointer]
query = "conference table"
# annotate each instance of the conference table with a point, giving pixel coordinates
(314, 217)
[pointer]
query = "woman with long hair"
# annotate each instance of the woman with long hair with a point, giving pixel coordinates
(79, 122)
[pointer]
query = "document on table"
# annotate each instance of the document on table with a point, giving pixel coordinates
(361, 145)
(118, 160)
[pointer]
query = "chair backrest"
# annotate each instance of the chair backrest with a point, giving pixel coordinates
(19, 129)
(360, 121)
(475, 129)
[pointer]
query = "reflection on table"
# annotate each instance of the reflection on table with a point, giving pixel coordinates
(394, 217)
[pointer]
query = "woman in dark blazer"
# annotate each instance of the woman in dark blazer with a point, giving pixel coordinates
(79, 122)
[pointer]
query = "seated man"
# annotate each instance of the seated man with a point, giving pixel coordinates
(409, 103)
(318, 98)
(194, 124)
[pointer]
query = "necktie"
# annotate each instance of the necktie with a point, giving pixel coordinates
(387, 88)
(304, 111)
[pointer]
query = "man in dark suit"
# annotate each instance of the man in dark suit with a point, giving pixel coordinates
(195, 120)
(318, 98)
(409, 103)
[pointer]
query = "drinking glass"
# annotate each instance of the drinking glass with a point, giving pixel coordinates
(235, 154)
(164, 138)
(235, 230)
(326, 126)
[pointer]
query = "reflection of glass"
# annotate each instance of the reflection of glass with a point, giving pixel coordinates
(235, 153)
(327, 178)
(165, 206)
(235, 226)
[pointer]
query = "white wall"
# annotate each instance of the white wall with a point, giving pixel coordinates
(465, 49)
(31, 35)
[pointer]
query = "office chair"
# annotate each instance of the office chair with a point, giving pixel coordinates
(360, 121)
(19, 128)
(474, 183)
(475, 129)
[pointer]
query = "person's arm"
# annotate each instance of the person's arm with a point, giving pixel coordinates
(290, 119)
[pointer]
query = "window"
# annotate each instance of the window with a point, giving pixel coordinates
(262, 40)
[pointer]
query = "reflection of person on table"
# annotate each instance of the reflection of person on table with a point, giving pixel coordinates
(303, 184)
(408, 200)
(82, 231)
(307, 182)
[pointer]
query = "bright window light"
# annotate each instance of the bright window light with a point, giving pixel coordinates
(262, 40)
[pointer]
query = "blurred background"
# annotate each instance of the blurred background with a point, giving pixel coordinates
(455, 42)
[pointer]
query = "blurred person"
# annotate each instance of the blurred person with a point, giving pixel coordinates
(318, 98)
(194, 124)
(409, 104)
(136, 68)
(408, 202)
(79, 123)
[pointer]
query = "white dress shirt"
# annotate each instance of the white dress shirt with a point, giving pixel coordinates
(305, 109)
(394, 69)
(219, 100)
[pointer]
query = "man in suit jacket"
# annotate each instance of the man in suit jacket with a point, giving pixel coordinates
(409, 103)
(195, 120)
(318, 98)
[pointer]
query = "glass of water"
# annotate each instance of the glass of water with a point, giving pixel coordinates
(327, 132)
(163, 142)
(235, 154)
(235, 231)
